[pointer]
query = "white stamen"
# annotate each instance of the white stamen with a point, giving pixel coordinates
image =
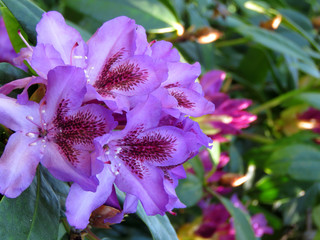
(85, 57)
(29, 118)
(43, 111)
(33, 144)
(31, 135)
(43, 140)
(88, 80)
(107, 152)
(44, 124)
(118, 150)
(116, 173)
(77, 57)
(44, 146)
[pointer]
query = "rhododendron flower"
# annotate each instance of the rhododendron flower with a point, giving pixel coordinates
(229, 117)
(217, 222)
(7, 53)
(58, 132)
(139, 159)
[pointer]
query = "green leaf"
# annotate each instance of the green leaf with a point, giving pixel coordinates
(197, 166)
(190, 190)
(27, 14)
(312, 98)
(34, 215)
(316, 216)
(241, 220)
(159, 226)
(151, 14)
(12, 27)
(9, 73)
(274, 41)
(300, 161)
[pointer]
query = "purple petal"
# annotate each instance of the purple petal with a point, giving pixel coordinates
(113, 41)
(191, 102)
(154, 202)
(211, 82)
(52, 29)
(182, 74)
(129, 206)
(16, 84)
(64, 170)
(133, 76)
(162, 146)
(143, 47)
(45, 53)
(66, 86)
(18, 164)
(80, 203)
(19, 117)
(163, 50)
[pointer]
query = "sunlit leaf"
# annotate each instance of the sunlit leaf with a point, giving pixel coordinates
(27, 14)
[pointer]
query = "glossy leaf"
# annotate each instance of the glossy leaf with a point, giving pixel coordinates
(9, 73)
(27, 14)
(241, 220)
(159, 226)
(312, 98)
(301, 162)
(190, 190)
(150, 14)
(12, 27)
(34, 215)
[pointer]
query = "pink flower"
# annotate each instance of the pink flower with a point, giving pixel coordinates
(229, 117)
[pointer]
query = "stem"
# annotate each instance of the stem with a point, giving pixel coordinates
(232, 42)
(66, 225)
(91, 235)
(276, 101)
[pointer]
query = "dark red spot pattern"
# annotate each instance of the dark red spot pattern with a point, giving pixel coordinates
(78, 129)
(136, 148)
(182, 99)
(124, 77)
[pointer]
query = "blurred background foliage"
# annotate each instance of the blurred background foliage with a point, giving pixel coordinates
(270, 51)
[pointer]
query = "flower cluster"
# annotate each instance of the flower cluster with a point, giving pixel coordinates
(218, 222)
(229, 117)
(115, 114)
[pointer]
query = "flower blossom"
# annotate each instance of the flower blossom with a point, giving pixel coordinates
(117, 76)
(218, 222)
(58, 132)
(229, 117)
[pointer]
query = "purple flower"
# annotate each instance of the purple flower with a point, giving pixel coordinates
(8, 54)
(144, 156)
(115, 68)
(58, 132)
(229, 117)
(218, 222)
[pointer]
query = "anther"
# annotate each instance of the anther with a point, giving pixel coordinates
(31, 135)
(43, 111)
(33, 144)
(29, 118)
(43, 140)
(77, 57)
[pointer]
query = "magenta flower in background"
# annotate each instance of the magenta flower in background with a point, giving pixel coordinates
(58, 132)
(218, 222)
(7, 53)
(229, 117)
(310, 119)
